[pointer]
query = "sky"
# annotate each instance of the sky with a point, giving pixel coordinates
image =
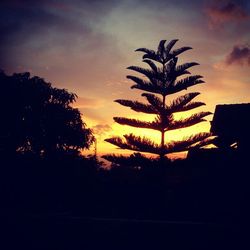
(86, 46)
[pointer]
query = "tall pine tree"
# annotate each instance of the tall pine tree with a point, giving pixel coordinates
(163, 78)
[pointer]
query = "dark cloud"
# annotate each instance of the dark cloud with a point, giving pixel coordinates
(59, 39)
(240, 54)
(34, 26)
(24, 20)
(21, 20)
(222, 12)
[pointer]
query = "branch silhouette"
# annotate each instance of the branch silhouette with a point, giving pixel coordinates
(164, 77)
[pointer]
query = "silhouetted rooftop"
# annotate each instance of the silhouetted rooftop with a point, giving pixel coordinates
(232, 122)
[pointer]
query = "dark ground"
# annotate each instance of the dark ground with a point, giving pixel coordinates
(193, 204)
(67, 232)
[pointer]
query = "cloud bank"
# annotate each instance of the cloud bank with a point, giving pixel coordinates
(240, 54)
(221, 13)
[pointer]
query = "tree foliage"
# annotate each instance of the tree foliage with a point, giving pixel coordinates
(39, 118)
(163, 77)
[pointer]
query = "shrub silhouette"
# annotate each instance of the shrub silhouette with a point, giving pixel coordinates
(38, 118)
(162, 79)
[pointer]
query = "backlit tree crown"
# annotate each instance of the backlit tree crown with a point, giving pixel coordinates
(163, 77)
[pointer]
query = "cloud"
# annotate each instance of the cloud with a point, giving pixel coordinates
(90, 108)
(86, 102)
(30, 17)
(101, 129)
(240, 54)
(223, 12)
(60, 42)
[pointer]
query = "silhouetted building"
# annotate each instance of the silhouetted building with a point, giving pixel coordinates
(231, 123)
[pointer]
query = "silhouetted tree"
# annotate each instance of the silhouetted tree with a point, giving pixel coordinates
(38, 118)
(162, 79)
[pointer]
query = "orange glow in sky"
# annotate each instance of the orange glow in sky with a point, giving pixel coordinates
(86, 48)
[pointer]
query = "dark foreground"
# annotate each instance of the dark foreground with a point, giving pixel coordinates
(201, 203)
(67, 232)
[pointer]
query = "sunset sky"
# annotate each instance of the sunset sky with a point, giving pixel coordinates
(86, 46)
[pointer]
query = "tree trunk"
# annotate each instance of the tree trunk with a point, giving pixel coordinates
(162, 144)
(162, 133)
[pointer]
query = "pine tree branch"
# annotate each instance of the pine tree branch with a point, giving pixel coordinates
(157, 80)
(161, 48)
(156, 107)
(155, 101)
(179, 51)
(207, 141)
(183, 100)
(152, 65)
(188, 81)
(187, 122)
(182, 69)
(135, 143)
(169, 76)
(186, 143)
(138, 106)
(119, 142)
(163, 54)
(184, 84)
(145, 85)
(147, 72)
(137, 123)
(190, 106)
(138, 80)
(168, 48)
(149, 54)
(154, 57)
(148, 88)
(170, 68)
(180, 103)
(150, 74)
(142, 144)
(141, 82)
(145, 50)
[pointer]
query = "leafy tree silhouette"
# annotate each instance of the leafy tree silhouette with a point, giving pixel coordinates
(162, 79)
(38, 118)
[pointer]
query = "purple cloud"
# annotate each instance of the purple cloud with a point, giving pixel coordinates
(221, 13)
(240, 54)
